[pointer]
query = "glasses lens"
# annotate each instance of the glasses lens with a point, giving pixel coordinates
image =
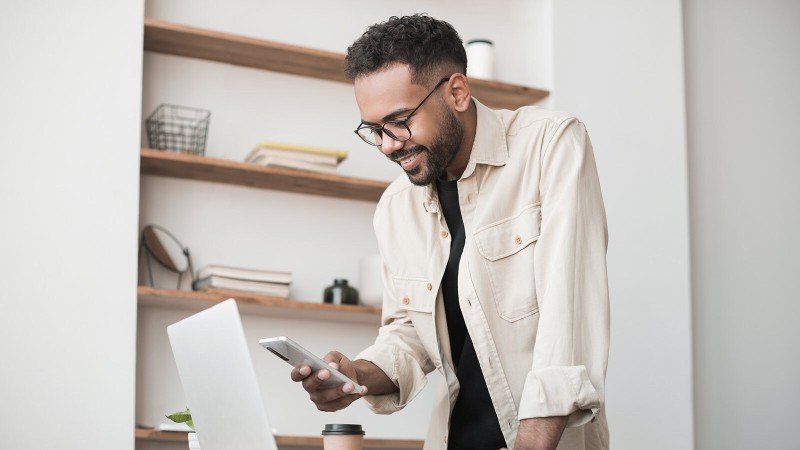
(397, 131)
(369, 135)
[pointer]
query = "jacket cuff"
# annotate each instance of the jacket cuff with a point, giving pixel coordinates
(404, 371)
(560, 391)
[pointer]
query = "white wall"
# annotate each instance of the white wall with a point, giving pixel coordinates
(317, 239)
(619, 67)
(743, 67)
(70, 94)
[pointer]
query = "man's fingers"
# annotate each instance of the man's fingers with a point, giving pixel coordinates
(313, 382)
(332, 395)
(328, 398)
(333, 357)
(336, 404)
(299, 373)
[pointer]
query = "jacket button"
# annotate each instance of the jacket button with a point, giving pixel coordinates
(429, 287)
(444, 234)
(517, 239)
(406, 300)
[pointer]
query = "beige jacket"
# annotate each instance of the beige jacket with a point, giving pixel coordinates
(532, 281)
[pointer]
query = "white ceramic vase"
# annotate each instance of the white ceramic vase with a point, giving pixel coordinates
(370, 287)
(194, 444)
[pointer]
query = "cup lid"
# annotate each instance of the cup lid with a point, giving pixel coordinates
(342, 428)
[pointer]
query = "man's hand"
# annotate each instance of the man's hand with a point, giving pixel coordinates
(540, 433)
(329, 398)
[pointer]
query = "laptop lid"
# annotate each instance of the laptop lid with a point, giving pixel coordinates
(219, 381)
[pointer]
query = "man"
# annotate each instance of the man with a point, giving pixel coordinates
(493, 249)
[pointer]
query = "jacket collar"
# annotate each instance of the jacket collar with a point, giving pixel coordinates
(489, 147)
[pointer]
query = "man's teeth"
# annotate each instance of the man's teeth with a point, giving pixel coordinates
(407, 158)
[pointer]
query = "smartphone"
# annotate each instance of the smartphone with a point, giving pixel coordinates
(294, 354)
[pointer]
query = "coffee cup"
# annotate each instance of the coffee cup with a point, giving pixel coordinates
(339, 436)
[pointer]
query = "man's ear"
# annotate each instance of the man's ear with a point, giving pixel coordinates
(460, 92)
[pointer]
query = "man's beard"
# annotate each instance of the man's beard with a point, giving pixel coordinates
(441, 153)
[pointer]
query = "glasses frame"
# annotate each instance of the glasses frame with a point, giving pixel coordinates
(403, 122)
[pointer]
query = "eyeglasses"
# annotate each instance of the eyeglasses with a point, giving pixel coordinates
(395, 129)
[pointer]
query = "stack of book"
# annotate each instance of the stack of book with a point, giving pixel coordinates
(315, 159)
(274, 284)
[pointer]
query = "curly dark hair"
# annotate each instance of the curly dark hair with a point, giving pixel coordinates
(430, 47)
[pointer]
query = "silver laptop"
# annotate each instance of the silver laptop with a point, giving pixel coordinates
(219, 381)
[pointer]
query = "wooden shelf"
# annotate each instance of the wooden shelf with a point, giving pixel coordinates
(260, 305)
(181, 40)
(284, 441)
(194, 167)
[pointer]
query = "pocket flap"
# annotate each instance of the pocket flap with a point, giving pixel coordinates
(414, 294)
(508, 236)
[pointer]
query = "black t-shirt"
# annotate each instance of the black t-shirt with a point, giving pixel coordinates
(473, 424)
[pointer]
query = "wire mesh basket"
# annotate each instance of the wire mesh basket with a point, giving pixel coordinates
(178, 129)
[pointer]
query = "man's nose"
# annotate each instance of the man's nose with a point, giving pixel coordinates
(389, 145)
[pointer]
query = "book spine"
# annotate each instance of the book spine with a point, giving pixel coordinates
(340, 154)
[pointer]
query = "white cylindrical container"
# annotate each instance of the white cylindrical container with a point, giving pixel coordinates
(370, 280)
(480, 59)
(194, 444)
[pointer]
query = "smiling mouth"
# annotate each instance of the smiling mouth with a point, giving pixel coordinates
(407, 159)
(403, 157)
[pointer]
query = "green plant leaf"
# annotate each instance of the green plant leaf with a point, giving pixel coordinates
(182, 417)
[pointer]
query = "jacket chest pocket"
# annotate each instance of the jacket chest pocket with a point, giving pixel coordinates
(507, 251)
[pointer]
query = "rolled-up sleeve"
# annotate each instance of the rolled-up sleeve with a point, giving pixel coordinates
(570, 355)
(403, 368)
